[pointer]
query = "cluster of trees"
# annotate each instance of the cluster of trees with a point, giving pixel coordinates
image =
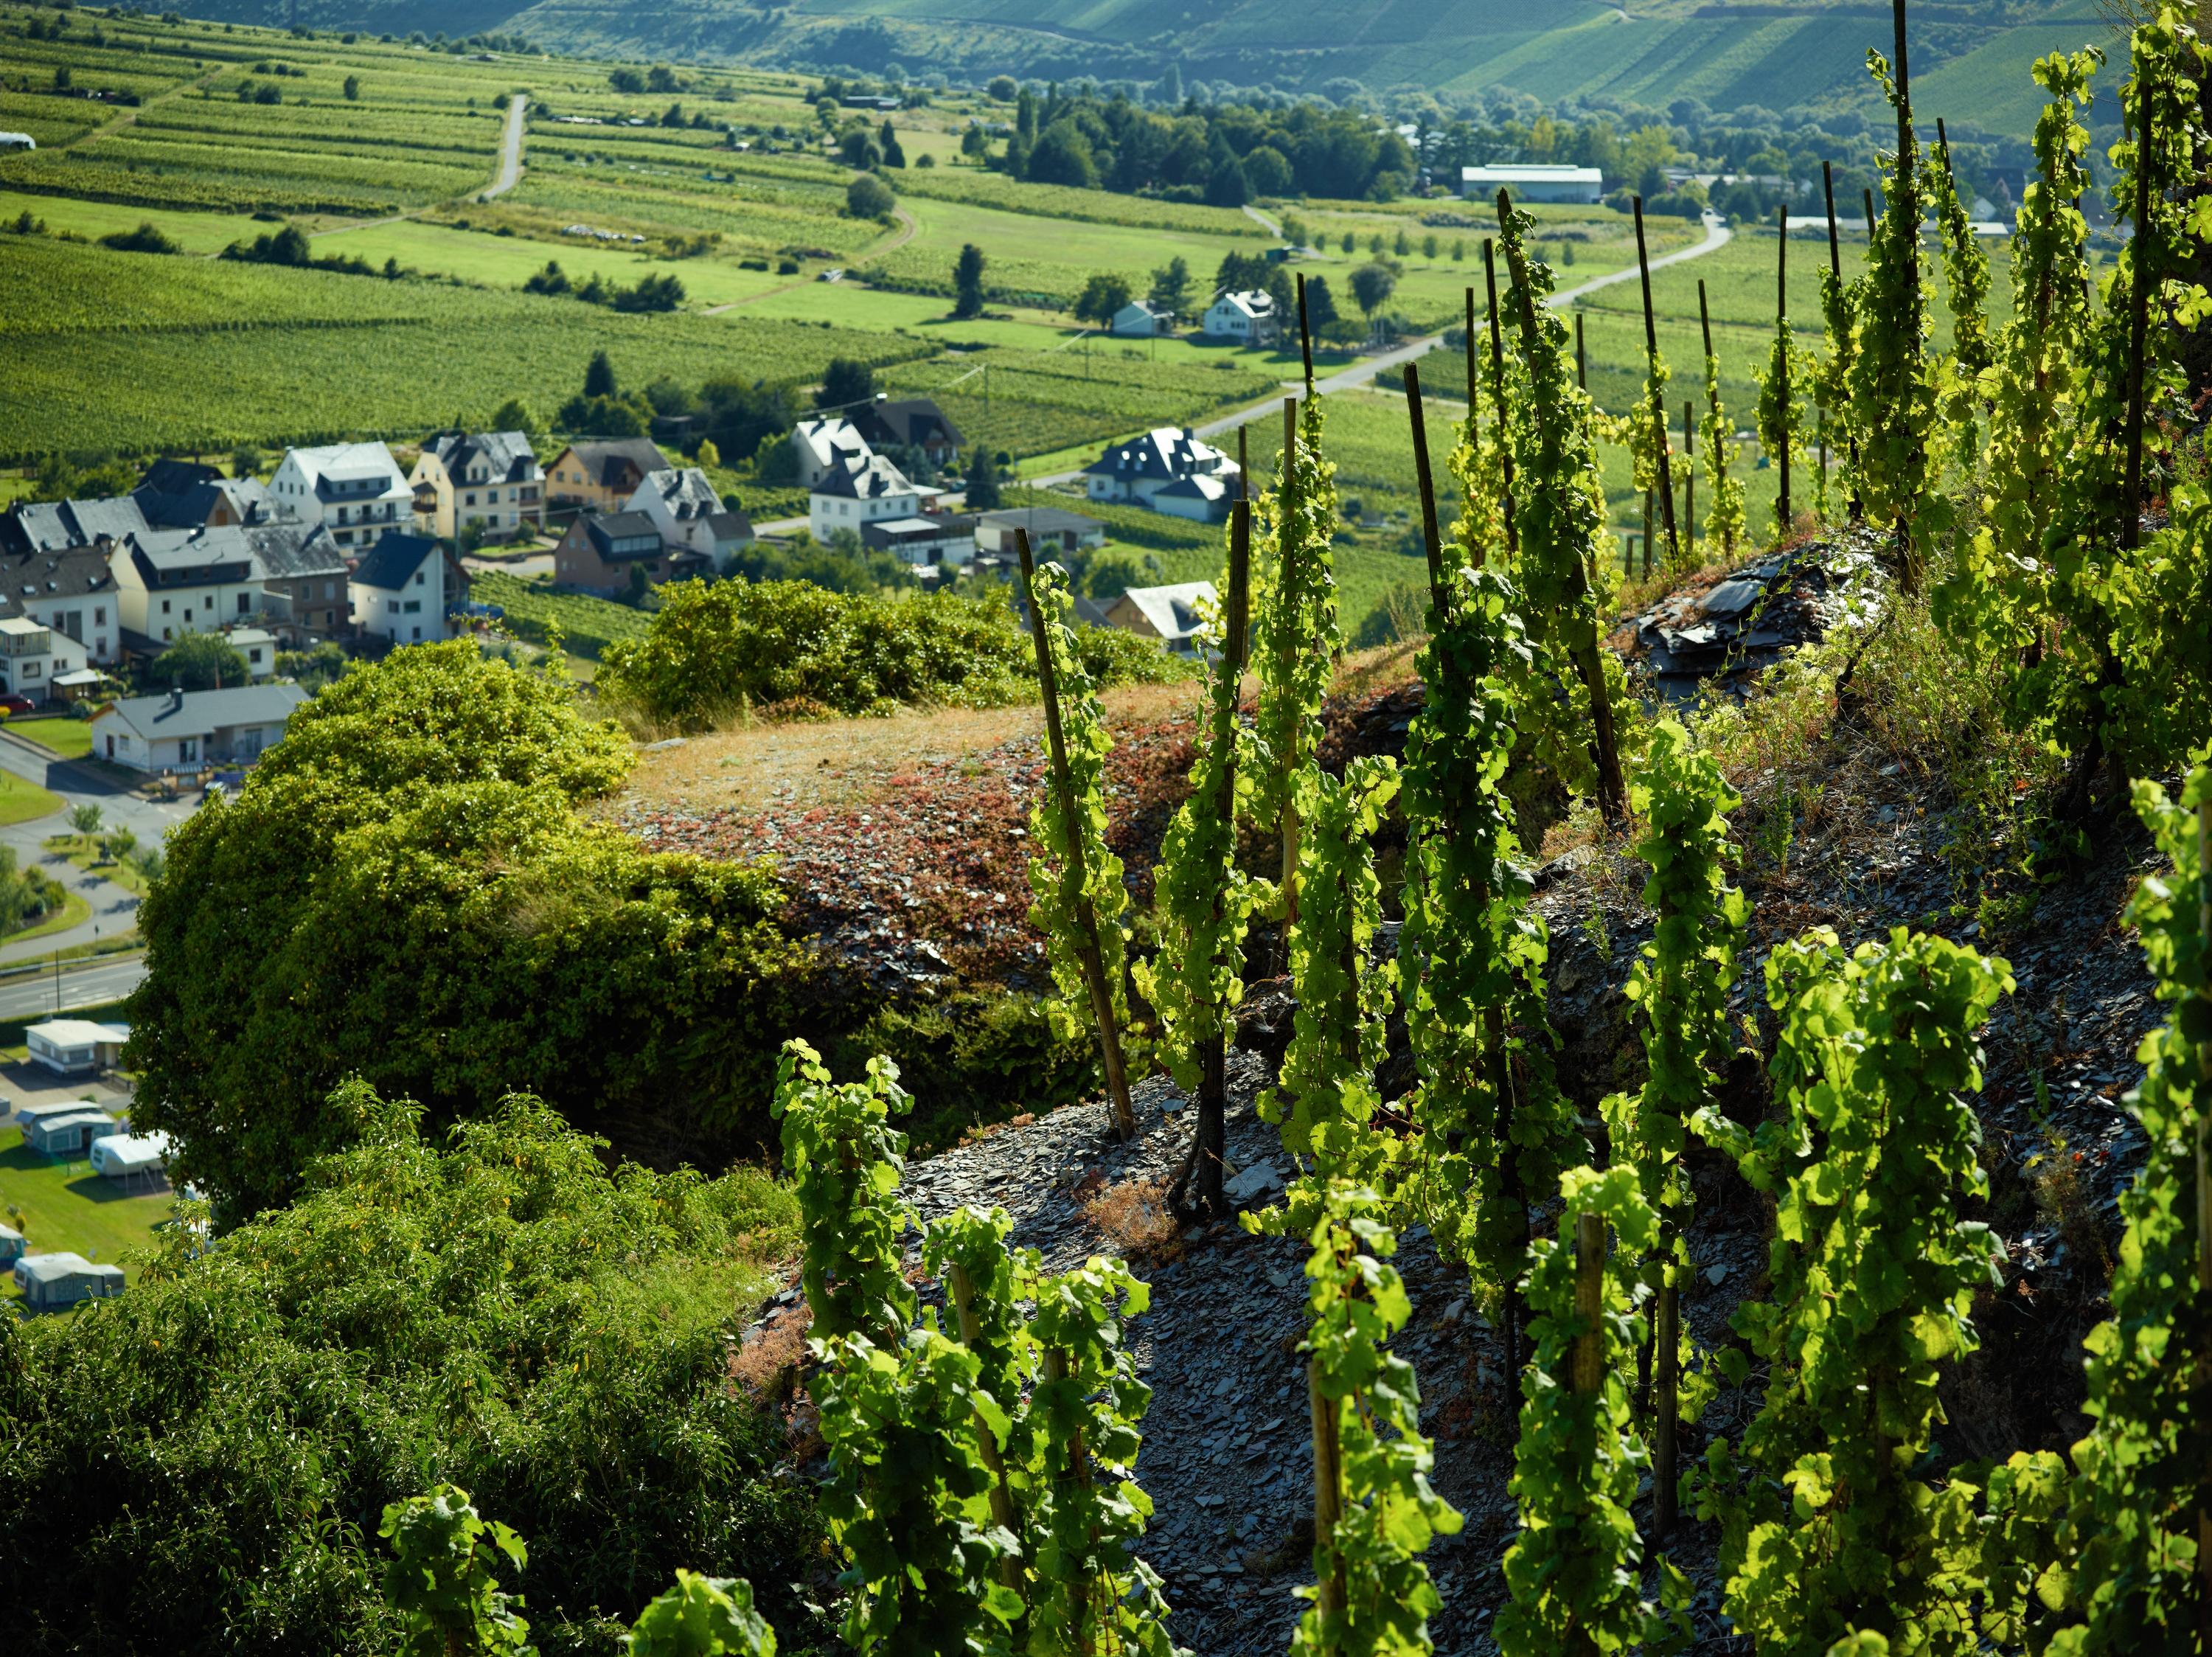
(1225, 155)
(655, 291)
(290, 246)
(733, 416)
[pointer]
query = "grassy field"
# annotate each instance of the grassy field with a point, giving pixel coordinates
(73, 911)
(69, 738)
(587, 624)
(61, 1206)
(21, 801)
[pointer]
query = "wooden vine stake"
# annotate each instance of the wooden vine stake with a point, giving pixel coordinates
(1658, 401)
(1424, 476)
(1582, 357)
(1286, 649)
(1328, 1489)
(1086, 917)
(1781, 319)
(1689, 477)
(1836, 271)
(1305, 336)
(2138, 313)
(962, 1290)
(1665, 1474)
(1586, 1358)
(2204, 1137)
(1497, 394)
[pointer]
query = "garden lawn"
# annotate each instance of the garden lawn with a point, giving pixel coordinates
(83, 850)
(74, 911)
(20, 801)
(69, 738)
(64, 1207)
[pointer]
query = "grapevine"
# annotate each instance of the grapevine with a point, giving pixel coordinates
(1832, 375)
(1782, 381)
(1573, 1570)
(702, 1617)
(1076, 880)
(845, 1162)
(1829, 1531)
(1374, 1511)
(440, 1580)
(1724, 515)
(1966, 292)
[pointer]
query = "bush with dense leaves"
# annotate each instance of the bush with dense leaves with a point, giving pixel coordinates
(201, 1464)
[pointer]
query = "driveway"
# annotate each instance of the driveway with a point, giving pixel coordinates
(113, 909)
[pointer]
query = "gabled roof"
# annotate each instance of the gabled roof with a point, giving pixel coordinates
(29, 578)
(190, 558)
(291, 551)
(829, 436)
(906, 423)
(1212, 490)
(176, 494)
(623, 537)
(1039, 520)
(203, 713)
(1163, 452)
(331, 468)
(507, 456)
(609, 464)
(392, 563)
(685, 491)
(1172, 611)
(871, 479)
(1254, 302)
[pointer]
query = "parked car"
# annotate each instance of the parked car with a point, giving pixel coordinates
(12, 702)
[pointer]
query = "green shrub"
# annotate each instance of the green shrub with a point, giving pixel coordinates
(203, 1461)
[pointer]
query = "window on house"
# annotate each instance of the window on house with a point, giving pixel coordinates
(188, 748)
(100, 646)
(419, 576)
(165, 636)
(418, 632)
(99, 616)
(472, 497)
(244, 603)
(165, 607)
(414, 606)
(391, 607)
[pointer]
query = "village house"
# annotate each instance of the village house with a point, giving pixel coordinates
(48, 1282)
(355, 490)
(599, 552)
(173, 581)
(33, 657)
(1051, 529)
(1247, 318)
(257, 647)
(602, 474)
(684, 509)
(1170, 614)
(1142, 320)
(490, 481)
(56, 526)
(1533, 181)
(908, 423)
(303, 580)
(1133, 473)
(406, 589)
(856, 493)
(821, 445)
(924, 542)
(186, 493)
(71, 589)
(190, 731)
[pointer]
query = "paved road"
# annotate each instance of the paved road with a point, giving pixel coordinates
(510, 147)
(113, 909)
(92, 986)
(1263, 220)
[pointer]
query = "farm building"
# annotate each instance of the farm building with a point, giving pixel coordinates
(1142, 320)
(77, 1046)
(1533, 181)
(1052, 529)
(130, 1159)
(1168, 614)
(923, 541)
(11, 1245)
(67, 1135)
(51, 1282)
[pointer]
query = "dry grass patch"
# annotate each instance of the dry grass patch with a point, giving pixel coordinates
(1135, 1218)
(756, 765)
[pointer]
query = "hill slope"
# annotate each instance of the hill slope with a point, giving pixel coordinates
(1972, 56)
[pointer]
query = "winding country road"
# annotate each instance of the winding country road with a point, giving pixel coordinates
(510, 149)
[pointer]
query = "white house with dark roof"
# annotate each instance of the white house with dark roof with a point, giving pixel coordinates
(71, 589)
(355, 490)
(169, 582)
(56, 526)
(687, 512)
(909, 422)
(404, 587)
(856, 493)
(190, 731)
(488, 479)
(177, 494)
(1247, 317)
(820, 446)
(1133, 473)
(33, 656)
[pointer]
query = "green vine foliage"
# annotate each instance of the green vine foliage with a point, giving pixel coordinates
(908, 1496)
(974, 1240)
(2078, 689)
(1325, 1100)
(1573, 1572)
(1826, 1529)
(702, 1617)
(1059, 888)
(1996, 596)
(1894, 409)
(1681, 977)
(440, 1582)
(845, 1162)
(2143, 1463)
(1388, 1514)
(1205, 900)
(1089, 1598)
(1966, 294)
(1645, 435)
(1472, 952)
(1725, 518)
(1832, 371)
(1296, 638)
(1560, 514)
(1783, 380)
(1478, 464)
(2158, 599)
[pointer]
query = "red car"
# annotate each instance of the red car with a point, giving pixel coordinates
(11, 704)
